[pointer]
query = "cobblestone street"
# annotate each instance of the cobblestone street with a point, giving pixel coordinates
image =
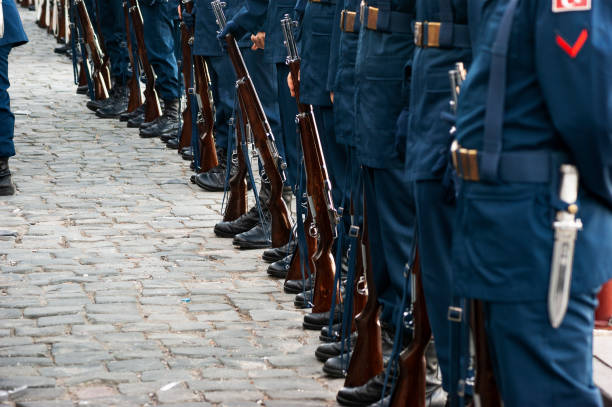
(114, 290)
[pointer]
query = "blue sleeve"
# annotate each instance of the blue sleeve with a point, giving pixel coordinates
(334, 49)
(251, 16)
(573, 61)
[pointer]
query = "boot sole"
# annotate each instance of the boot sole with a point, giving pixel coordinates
(277, 274)
(227, 235)
(350, 403)
(271, 259)
(322, 356)
(250, 246)
(312, 327)
(7, 191)
(334, 373)
(329, 339)
(289, 290)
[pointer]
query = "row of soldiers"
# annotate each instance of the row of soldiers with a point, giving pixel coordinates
(449, 159)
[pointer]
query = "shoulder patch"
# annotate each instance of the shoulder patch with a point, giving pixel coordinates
(559, 6)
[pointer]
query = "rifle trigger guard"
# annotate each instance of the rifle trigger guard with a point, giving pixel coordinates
(313, 231)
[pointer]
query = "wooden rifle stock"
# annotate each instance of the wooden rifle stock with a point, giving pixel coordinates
(485, 385)
(51, 29)
(186, 67)
(410, 388)
(206, 122)
(318, 186)
(366, 361)
(135, 99)
(62, 27)
(264, 141)
(42, 14)
(93, 51)
(152, 107)
(82, 74)
(237, 199)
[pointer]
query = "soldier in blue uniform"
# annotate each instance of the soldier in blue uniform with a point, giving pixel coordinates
(113, 31)
(11, 35)
(442, 39)
(265, 15)
(537, 97)
(159, 35)
(382, 82)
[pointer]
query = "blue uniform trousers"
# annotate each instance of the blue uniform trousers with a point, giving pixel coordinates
(112, 24)
(435, 219)
(537, 365)
(263, 76)
(7, 119)
(335, 154)
(391, 222)
(223, 82)
(159, 40)
(287, 141)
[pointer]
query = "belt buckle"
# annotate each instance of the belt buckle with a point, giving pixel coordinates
(433, 34)
(372, 23)
(418, 34)
(455, 314)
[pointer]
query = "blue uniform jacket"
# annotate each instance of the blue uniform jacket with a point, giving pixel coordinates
(205, 36)
(341, 75)
(428, 135)
(265, 15)
(315, 39)
(14, 34)
(556, 88)
(382, 77)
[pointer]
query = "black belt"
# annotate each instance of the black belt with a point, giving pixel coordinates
(390, 21)
(537, 166)
(349, 22)
(427, 35)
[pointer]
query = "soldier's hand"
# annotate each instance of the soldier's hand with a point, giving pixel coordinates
(290, 83)
(331, 96)
(259, 40)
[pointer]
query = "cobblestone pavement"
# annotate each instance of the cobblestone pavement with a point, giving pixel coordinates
(114, 290)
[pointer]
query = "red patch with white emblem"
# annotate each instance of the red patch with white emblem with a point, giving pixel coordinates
(559, 6)
(573, 50)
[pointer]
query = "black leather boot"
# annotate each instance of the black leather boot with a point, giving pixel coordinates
(82, 90)
(333, 349)
(368, 393)
(244, 223)
(6, 184)
(316, 321)
(303, 300)
(338, 365)
(117, 105)
(297, 286)
(331, 336)
(167, 124)
(280, 268)
(94, 105)
(256, 238)
(187, 153)
(124, 117)
(279, 253)
(214, 179)
(172, 143)
(136, 121)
